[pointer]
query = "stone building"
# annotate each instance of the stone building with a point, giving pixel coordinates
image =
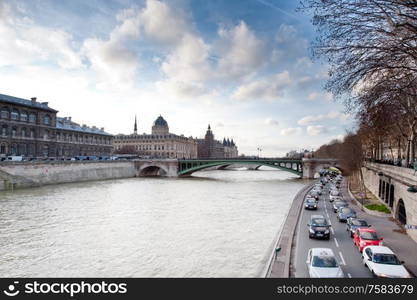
(159, 144)
(32, 129)
(209, 147)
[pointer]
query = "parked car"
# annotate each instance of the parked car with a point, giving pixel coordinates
(382, 262)
(345, 213)
(366, 237)
(318, 227)
(339, 204)
(310, 203)
(353, 223)
(322, 263)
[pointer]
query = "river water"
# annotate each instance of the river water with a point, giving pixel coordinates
(214, 224)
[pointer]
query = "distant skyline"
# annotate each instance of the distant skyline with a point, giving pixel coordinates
(242, 66)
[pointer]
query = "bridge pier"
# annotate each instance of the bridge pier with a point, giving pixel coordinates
(311, 166)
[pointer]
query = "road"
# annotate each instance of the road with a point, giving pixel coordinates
(340, 241)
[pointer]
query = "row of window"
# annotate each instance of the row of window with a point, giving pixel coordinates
(23, 116)
(24, 133)
(44, 150)
(149, 137)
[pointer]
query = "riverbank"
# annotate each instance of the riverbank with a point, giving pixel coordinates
(279, 263)
(15, 175)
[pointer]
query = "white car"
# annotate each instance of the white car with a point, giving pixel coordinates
(322, 263)
(334, 195)
(382, 262)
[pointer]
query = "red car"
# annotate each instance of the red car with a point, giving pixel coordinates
(366, 237)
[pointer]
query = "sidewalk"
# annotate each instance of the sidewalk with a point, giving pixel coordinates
(402, 245)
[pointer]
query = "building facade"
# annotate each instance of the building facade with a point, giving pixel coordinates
(32, 129)
(159, 144)
(209, 147)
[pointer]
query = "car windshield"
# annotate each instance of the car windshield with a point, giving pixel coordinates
(324, 262)
(335, 193)
(386, 259)
(369, 235)
(357, 222)
(341, 204)
(310, 200)
(319, 222)
(347, 211)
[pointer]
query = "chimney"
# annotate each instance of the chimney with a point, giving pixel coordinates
(33, 99)
(102, 128)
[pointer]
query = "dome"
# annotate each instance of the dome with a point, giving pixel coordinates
(160, 121)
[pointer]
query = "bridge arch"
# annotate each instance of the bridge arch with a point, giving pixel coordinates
(151, 171)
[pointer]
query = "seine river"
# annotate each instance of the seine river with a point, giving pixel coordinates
(215, 224)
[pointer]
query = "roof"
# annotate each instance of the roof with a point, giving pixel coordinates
(25, 102)
(380, 249)
(67, 124)
(367, 229)
(160, 121)
(317, 217)
(322, 252)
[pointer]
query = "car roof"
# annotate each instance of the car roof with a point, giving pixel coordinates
(317, 216)
(380, 249)
(367, 229)
(322, 252)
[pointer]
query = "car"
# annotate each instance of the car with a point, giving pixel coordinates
(339, 204)
(310, 203)
(318, 227)
(314, 194)
(322, 263)
(336, 198)
(344, 213)
(317, 190)
(334, 195)
(353, 223)
(382, 262)
(366, 237)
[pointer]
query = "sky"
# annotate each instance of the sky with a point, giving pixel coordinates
(242, 66)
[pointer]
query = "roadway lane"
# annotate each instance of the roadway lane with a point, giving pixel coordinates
(340, 241)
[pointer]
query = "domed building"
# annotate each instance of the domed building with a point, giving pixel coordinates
(159, 144)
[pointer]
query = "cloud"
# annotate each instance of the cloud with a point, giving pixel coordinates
(113, 62)
(270, 88)
(289, 45)
(310, 119)
(270, 121)
(316, 130)
(320, 96)
(241, 52)
(291, 131)
(24, 42)
(162, 23)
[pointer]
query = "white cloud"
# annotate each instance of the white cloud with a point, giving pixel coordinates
(162, 24)
(291, 131)
(316, 130)
(270, 121)
(270, 88)
(25, 42)
(241, 52)
(310, 119)
(114, 64)
(321, 96)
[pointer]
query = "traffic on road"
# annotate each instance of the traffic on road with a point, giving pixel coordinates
(331, 241)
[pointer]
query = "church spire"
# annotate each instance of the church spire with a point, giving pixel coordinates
(135, 128)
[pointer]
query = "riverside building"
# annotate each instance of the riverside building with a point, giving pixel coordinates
(31, 128)
(159, 144)
(209, 147)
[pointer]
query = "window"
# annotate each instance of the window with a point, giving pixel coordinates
(46, 135)
(14, 131)
(47, 120)
(4, 113)
(24, 116)
(23, 132)
(4, 130)
(32, 118)
(15, 114)
(32, 132)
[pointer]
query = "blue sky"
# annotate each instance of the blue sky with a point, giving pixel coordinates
(241, 65)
